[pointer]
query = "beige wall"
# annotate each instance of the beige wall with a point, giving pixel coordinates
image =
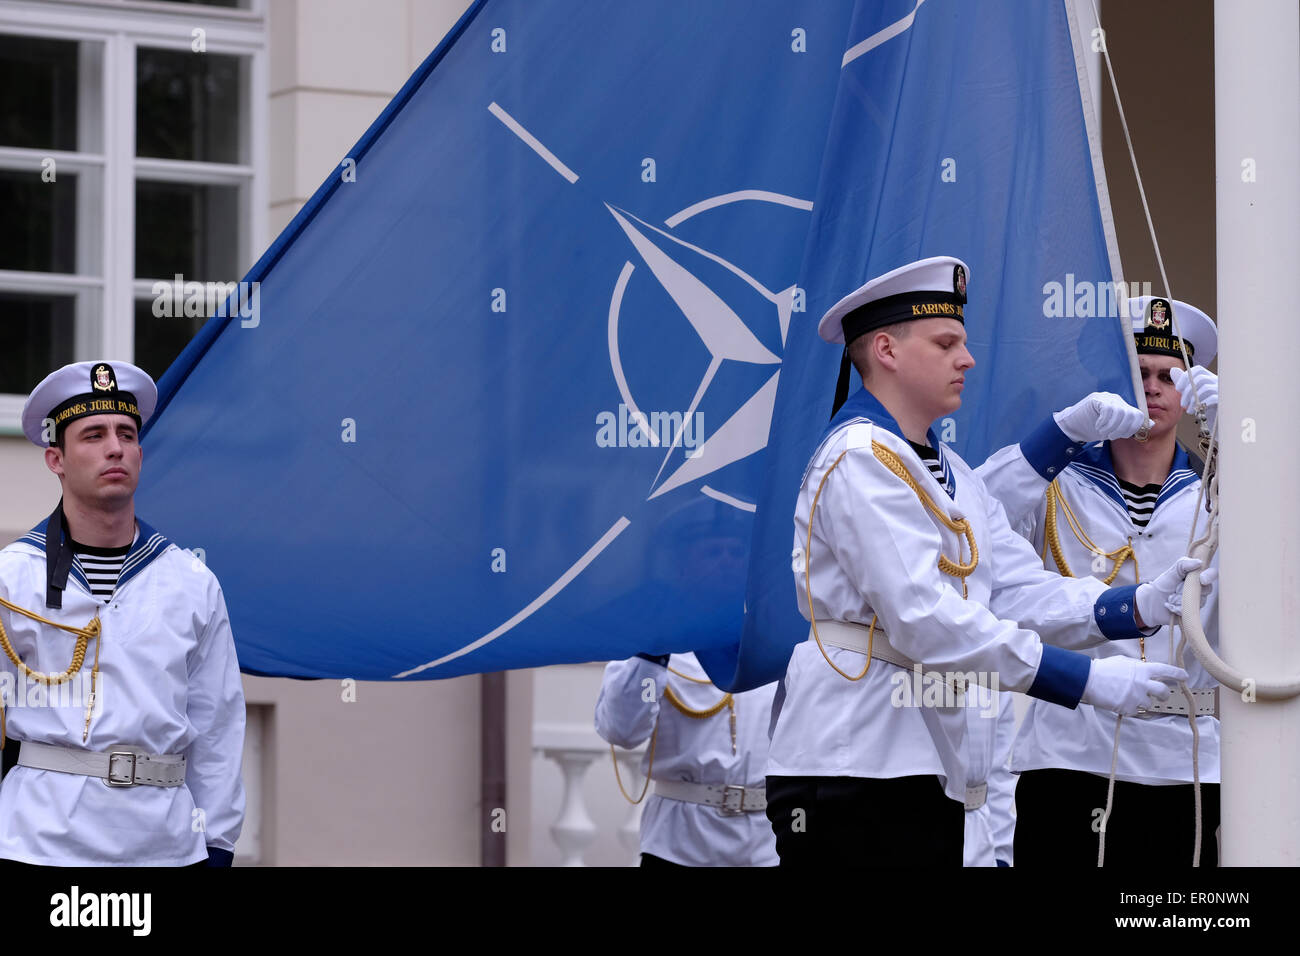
(1163, 53)
(390, 777)
(28, 492)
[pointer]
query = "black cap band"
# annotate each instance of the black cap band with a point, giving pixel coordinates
(904, 307)
(81, 406)
(1156, 343)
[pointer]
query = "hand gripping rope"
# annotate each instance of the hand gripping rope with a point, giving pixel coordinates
(958, 570)
(84, 634)
(1203, 547)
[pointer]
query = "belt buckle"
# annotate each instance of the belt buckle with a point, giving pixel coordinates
(1211, 703)
(130, 780)
(740, 804)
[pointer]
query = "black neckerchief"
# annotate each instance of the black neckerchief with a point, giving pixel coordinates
(58, 557)
(842, 384)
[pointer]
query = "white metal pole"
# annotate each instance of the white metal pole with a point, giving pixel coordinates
(1257, 158)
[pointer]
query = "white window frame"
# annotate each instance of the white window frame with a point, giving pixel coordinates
(107, 294)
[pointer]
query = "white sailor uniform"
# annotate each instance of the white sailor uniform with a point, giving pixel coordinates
(874, 554)
(990, 732)
(689, 754)
(1157, 749)
(168, 684)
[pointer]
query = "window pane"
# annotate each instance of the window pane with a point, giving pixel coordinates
(187, 105)
(35, 338)
(159, 340)
(40, 222)
(38, 92)
(186, 228)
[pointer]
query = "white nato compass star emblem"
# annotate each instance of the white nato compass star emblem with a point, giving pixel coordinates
(725, 335)
(719, 326)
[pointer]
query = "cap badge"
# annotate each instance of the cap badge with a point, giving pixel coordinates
(959, 281)
(1159, 314)
(102, 378)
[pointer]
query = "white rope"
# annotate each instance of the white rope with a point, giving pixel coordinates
(1204, 547)
(1193, 630)
(1146, 210)
(1110, 793)
(1202, 422)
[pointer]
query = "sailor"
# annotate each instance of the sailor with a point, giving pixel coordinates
(125, 691)
(705, 749)
(705, 755)
(902, 558)
(1111, 510)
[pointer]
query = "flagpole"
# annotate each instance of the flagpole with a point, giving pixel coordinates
(1257, 134)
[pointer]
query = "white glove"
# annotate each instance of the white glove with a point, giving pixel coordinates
(1157, 600)
(1123, 684)
(1100, 416)
(1207, 390)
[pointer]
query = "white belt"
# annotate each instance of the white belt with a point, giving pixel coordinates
(731, 798)
(1207, 704)
(853, 637)
(117, 768)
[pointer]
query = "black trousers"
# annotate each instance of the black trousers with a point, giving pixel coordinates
(659, 863)
(17, 864)
(1058, 813)
(865, 822)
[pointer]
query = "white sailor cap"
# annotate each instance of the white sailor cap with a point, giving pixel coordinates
(87, 388)
(933, 288)
(1153, 320)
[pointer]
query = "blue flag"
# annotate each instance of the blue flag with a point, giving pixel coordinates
(512, 367)
(958, 130)
(505, 396)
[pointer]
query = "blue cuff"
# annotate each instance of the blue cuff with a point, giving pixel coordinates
(1116, 614)
(1002, 863)
(219, 857)
(660, 659)
(1062, 676)
(1048, 449)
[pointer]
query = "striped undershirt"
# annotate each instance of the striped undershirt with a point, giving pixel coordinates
(930, 458)
(102, 566)
(1141, 501)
